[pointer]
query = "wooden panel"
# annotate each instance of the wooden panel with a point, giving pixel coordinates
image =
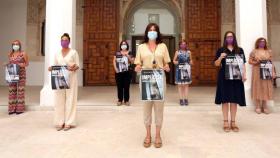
(100, 41)
(203, 35)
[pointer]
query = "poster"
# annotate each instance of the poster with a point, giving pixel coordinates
(60, 77)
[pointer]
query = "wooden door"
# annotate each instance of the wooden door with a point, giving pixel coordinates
(101, 31)
(203, 27)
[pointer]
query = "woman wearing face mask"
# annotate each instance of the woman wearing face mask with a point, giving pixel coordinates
(121, 62)
(17, 90)
(152, 54)
(230, 92)
(262, 89)
(183, 58)
(66, 99)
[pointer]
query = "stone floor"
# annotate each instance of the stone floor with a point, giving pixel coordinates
(118, 132)
(108, 131)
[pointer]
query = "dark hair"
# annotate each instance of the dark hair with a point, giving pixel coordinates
(66, 35)
(258, 41)
(146, 38)
(235, 44)
(124, 41)
(19, 43)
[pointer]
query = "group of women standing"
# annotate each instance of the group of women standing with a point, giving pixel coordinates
(153, 54)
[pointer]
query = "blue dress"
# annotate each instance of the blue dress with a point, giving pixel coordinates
(183, 69)
(229, 91)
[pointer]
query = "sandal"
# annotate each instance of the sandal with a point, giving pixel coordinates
(265, 110)
(147, 142)
(226, 127)
(59, 128)
(67, 127)
(158, 144)
(234, 128)
(258, 110)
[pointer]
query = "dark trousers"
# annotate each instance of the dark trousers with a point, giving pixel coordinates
(123, 84)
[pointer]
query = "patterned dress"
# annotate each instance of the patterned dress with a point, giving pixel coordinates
(17, 92)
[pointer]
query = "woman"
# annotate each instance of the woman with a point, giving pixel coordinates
(262, 89)
(66, 99)
(152, 54)
(183, 59)
(230, 92)
(121, 62)
(17, 90)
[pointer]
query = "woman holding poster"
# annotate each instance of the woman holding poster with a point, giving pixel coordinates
(262, 75)
(232, 73)
(152, 55)
(183, 61)
(18, 58)
(65, 98)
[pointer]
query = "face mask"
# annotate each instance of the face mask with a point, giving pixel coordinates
(229, 40)
(65, 44)
(261, 44)
(124, 47)
(16, 47)
(183, 46)
(152, 35)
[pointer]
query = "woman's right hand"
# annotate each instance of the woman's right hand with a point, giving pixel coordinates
(223, 55)
(138, 68)
(50, 68)
(175, 62)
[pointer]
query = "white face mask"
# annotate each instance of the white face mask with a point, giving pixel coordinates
(16, 47)
(152, 35)
(124, 47)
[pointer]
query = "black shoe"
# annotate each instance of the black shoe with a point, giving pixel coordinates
(186, 102)
(11, 113)
(182, 102)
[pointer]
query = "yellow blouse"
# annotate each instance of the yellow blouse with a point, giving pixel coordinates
(145, 57)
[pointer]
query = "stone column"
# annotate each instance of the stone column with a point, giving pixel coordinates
(251, 23)
(60, 18)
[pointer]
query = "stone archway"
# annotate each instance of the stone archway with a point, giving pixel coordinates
(128, 8)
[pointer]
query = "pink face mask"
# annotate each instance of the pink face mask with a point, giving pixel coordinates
(65, 43)
(261, 44)
(183, 46)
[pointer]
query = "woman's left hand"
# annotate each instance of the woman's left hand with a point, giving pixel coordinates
(166, 68)
(244, 78)
(21, 64)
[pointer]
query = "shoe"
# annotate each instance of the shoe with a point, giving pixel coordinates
(233, 127)
(11, 113)
(127, 103)
(182, 102)
(67, 127)
(186, 102)
(265, 110)
(18, 113)
(59, 128)
(119, 103)
(158, 144)
(226, 127)
(258, 110)
(147, 143)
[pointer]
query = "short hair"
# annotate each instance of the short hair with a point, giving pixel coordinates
(66, 35)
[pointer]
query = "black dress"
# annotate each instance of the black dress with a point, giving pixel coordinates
(229, 91)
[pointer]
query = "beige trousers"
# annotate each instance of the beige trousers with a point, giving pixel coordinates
(158, 107)
(66, 103)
